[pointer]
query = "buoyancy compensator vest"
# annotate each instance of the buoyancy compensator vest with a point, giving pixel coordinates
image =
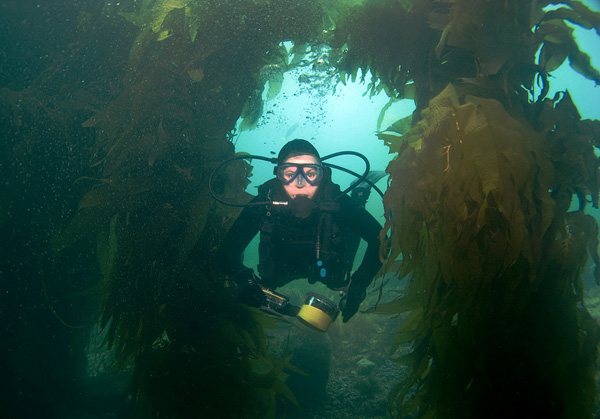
(313, 247)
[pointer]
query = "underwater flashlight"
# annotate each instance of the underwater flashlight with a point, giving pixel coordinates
(318, 312)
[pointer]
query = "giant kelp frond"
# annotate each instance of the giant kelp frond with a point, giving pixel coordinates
(475, 169)
(558, 43)
(480, 221)
(571, 142)
(478, 209)
(487, 47)
(158, 139)
(387, 39)
(206, 358)
(153, 13)
(191, 70)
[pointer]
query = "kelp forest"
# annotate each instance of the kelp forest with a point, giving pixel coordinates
(114, 114)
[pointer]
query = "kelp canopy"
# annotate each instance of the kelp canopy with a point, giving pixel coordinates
(478, 206)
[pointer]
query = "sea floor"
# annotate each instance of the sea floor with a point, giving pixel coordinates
(362, 370)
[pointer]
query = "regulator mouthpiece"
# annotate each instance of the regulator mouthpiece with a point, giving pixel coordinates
(302, 206)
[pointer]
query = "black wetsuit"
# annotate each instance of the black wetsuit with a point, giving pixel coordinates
(314, 247)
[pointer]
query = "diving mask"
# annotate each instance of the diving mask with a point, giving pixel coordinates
(290, 172)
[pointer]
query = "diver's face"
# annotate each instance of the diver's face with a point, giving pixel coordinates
(299, 186)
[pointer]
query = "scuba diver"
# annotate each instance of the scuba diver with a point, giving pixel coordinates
(308, 228)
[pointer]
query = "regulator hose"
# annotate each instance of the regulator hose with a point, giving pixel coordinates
(360, 178)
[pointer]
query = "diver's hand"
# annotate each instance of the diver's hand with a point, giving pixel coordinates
(248, 288)
(350, 303)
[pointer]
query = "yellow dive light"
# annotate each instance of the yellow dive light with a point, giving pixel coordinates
(318, 312)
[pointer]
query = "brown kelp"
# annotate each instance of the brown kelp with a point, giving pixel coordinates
(193, 67)
(495, 259)
(479, 213)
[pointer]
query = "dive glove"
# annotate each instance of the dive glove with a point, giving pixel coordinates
(357, 291)
(248, 288)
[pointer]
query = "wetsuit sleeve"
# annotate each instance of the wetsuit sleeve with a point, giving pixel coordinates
(362, 223)
(243, 230)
